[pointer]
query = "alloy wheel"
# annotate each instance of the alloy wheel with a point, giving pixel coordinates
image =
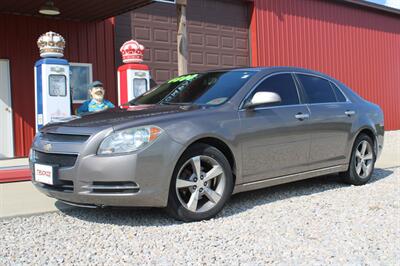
(364, 159)
(200, 183)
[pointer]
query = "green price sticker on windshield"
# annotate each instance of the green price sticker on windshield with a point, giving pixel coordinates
(183, 78)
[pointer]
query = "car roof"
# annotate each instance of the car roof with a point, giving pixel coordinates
(272, 69)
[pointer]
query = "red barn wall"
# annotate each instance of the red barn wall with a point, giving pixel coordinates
(91, 42)
(359, 46)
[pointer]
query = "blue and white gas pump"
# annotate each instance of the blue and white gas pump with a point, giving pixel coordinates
(52, 93)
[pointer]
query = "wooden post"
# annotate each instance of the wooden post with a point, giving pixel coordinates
(182, 37)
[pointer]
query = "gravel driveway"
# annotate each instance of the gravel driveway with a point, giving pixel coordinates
(317, 221)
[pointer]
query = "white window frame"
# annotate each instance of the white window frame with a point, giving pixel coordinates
(90, 76)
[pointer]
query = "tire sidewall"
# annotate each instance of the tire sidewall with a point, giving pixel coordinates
(176, 208)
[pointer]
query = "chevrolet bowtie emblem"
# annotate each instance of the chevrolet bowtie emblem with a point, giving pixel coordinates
(47, 147)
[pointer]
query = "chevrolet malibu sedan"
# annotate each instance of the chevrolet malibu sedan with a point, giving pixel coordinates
(190, 143)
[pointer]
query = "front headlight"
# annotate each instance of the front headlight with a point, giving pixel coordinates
(129, 140)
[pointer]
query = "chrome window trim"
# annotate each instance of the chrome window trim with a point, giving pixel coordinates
(321, 77)
(277, 106)
(313, 104)
(262, 80)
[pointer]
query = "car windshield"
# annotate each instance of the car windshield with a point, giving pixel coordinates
(211, 88)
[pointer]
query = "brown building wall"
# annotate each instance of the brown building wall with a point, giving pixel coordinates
(218, 35)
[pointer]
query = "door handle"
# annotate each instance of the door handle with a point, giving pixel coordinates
(301, 116)
(8, 109)
(350, 112)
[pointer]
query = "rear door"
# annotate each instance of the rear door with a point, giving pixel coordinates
(275, 138)
(331, 119)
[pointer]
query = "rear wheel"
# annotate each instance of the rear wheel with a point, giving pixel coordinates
(362, 161)
(201, 184)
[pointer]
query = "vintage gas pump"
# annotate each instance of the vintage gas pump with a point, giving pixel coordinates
(52, 93)
(133, 77)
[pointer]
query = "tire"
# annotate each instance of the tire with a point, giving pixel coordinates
(356, 174)
(196, 195)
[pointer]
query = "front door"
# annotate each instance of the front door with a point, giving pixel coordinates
(6, 128)
(275, 139)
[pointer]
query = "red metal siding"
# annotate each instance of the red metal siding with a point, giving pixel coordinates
(356, 45)
(86, 42)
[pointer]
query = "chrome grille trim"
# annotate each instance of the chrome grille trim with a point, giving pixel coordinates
(53, 137)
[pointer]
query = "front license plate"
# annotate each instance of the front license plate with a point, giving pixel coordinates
(44, 173)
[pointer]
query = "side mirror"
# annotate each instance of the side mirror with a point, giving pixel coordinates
(263, 97)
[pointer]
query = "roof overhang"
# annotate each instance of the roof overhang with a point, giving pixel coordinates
(375, 6)
(79, 10)
(91, 10)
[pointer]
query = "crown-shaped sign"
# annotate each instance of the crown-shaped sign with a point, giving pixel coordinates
(51, 44)
(132, 52)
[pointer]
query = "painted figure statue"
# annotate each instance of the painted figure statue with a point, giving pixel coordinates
(97, 101)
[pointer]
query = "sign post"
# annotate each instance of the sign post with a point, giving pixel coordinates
(182, 38)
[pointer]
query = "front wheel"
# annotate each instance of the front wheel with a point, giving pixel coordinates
(201, 184)
(362, 161)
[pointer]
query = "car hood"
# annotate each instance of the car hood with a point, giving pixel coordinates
(118, 116)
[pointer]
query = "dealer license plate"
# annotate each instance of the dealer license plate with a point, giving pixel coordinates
(44, 173)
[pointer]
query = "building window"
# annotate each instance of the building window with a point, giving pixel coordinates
(81, 76)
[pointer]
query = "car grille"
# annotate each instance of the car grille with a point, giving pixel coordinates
(61, 160)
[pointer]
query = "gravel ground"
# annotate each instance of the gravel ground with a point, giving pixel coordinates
(391, 150)
(317, 221)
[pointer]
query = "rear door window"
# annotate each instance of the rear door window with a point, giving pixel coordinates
(283, 85)
(317, 90)
(339, 94)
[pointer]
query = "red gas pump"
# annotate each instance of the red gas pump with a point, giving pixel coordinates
(133, 77)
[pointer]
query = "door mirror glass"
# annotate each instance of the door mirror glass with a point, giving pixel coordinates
(263, 97)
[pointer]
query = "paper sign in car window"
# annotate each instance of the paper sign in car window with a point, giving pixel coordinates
(217, 101)
(183, 78)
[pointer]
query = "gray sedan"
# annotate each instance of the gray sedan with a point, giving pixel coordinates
(190, 143)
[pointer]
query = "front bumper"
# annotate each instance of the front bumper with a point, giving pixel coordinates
(136, 179)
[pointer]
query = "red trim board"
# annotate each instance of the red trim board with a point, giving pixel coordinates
(13, 175)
